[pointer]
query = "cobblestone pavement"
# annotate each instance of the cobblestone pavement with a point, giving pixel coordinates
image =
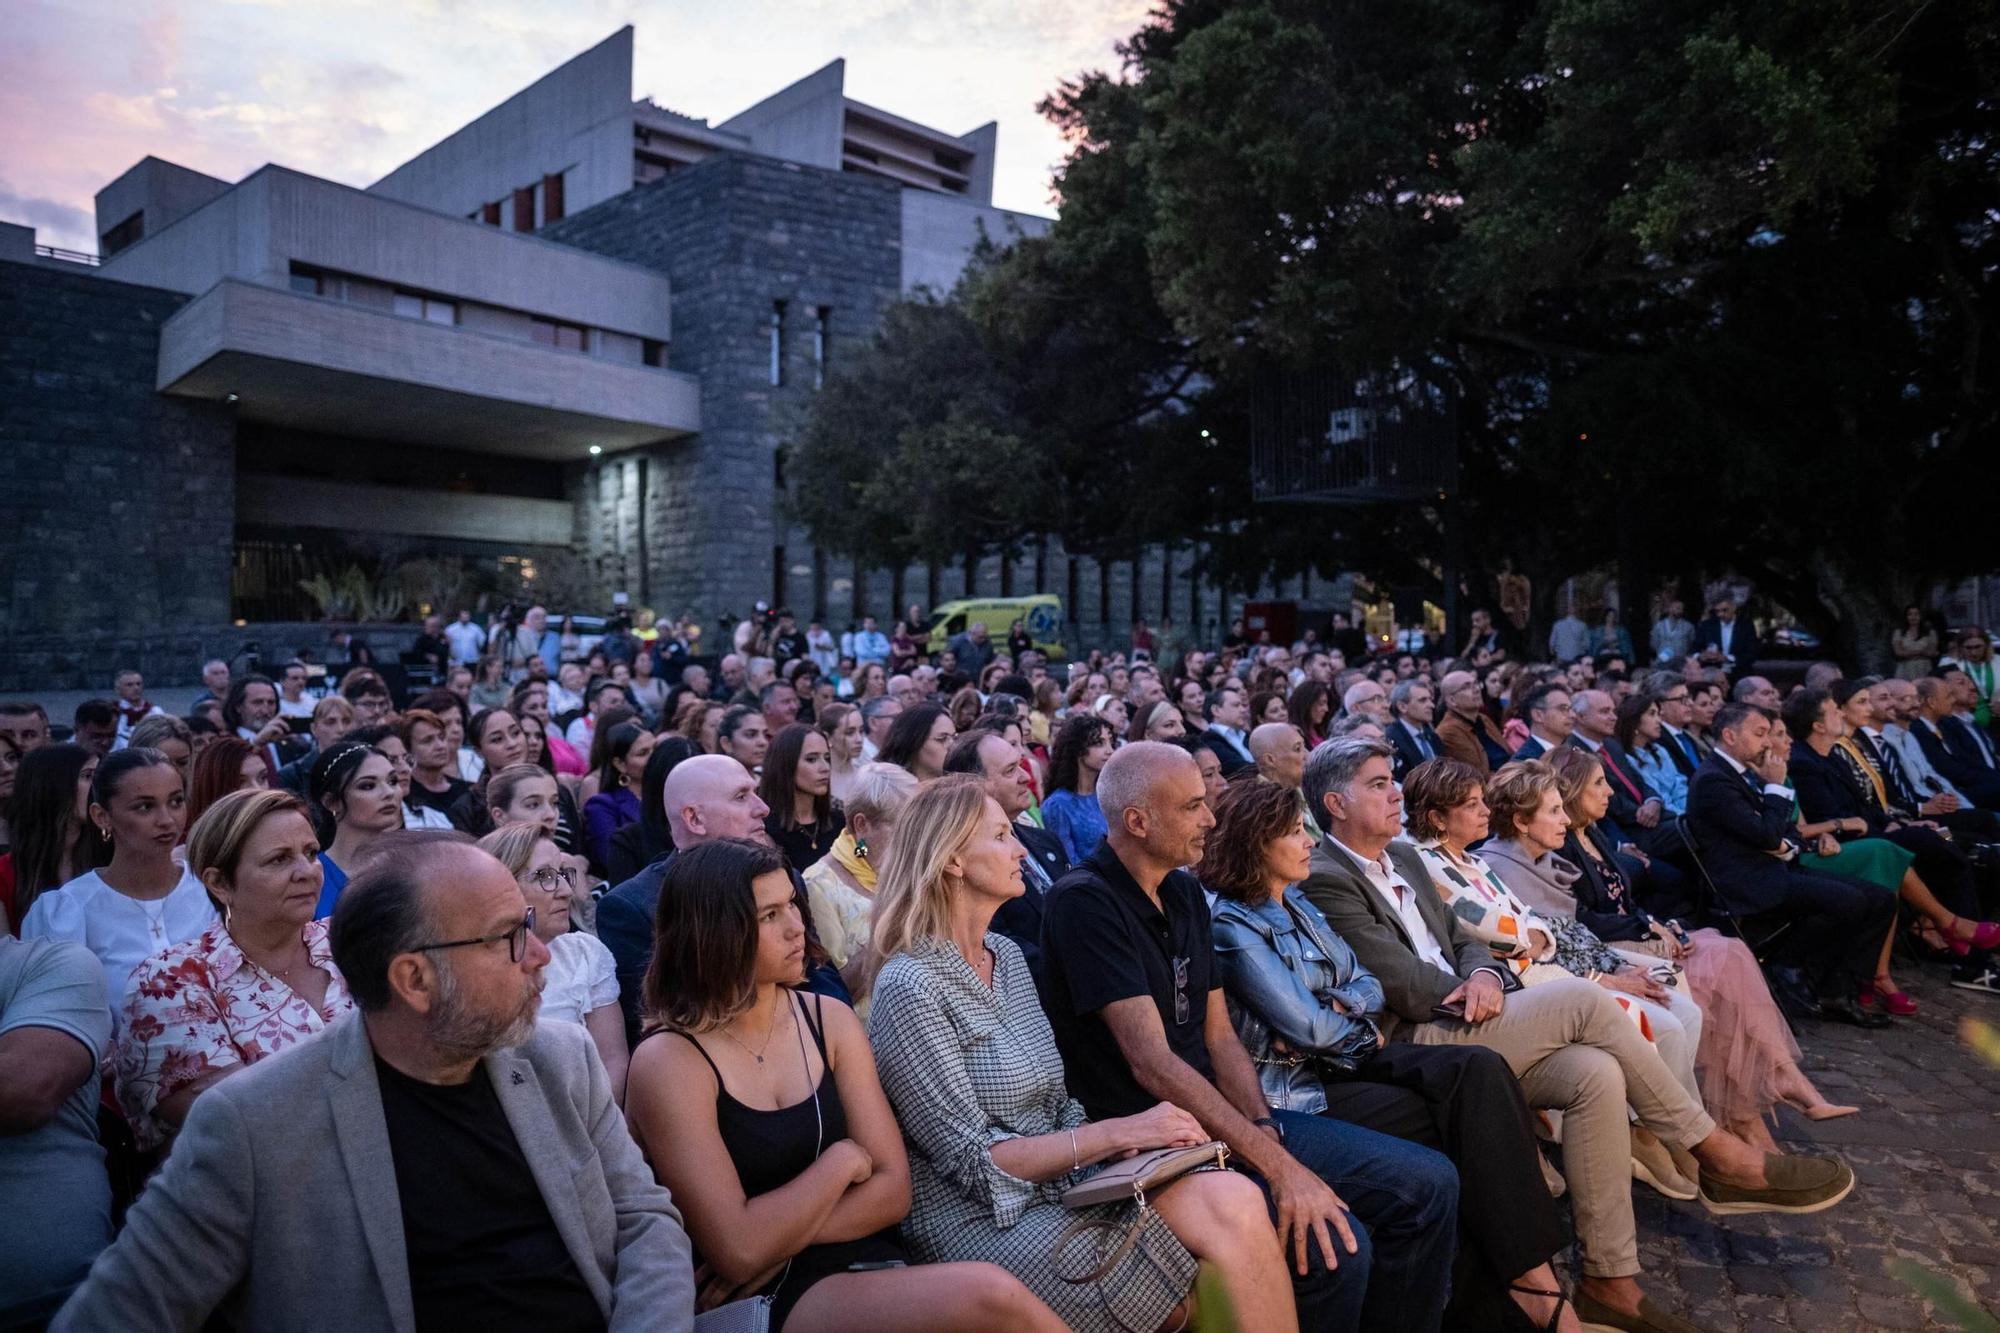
(1926, 1156)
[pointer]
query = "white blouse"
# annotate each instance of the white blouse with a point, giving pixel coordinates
(581, 978)
(123, 932)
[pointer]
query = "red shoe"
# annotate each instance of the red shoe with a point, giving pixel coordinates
(1895, 1002)
(1985, 935)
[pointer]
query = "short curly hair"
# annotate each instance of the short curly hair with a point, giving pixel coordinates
(1515, 793)
(1432, 789)
(1250, 815)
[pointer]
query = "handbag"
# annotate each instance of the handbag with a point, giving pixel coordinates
(1133, 1177)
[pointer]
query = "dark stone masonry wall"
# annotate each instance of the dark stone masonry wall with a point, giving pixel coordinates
(117, 504)
(734, 234)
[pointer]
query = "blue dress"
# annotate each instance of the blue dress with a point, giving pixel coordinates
(335, 879)
(1075, 819)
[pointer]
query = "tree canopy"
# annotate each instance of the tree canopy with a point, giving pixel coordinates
(1714, 283)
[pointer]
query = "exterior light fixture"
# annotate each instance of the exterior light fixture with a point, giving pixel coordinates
(596, 449)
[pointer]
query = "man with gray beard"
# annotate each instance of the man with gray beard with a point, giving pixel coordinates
(436, 1160)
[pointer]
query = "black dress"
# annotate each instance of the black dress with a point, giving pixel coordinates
(804, 845)
(772, 1148)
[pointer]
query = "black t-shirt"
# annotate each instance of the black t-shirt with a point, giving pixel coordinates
(1104, 941)
(483, 1250)
(440, 801)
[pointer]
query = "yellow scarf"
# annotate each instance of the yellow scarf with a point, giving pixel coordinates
(847, 855)
(1881, 792)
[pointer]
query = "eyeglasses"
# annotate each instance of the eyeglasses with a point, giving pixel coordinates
(516, 938)
(1180, 990)
(545, 878)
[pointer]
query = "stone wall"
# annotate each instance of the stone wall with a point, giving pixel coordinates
(117, 504)
(735, 234)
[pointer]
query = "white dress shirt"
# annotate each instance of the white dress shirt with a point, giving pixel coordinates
(1916, 764)
(1400, 898)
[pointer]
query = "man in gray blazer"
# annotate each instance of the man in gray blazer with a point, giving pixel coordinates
(434, 1161)
(1567, 1041)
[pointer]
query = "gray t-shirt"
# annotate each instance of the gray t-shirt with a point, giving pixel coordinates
(59, 1197)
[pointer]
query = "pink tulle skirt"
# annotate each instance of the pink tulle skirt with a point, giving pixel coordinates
(1745, 1041)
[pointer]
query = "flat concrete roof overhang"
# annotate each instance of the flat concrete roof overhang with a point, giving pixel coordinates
(331, 366)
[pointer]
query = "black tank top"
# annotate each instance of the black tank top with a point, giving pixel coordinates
(772, 1148)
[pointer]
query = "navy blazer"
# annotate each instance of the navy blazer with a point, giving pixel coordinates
(1020, 919)
(1959, 739)
(1744, 646)
(1408, 756)
(1980, 784)
(1829, 789)
(1738, 826)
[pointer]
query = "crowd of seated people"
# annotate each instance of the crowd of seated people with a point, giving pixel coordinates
(819, 986)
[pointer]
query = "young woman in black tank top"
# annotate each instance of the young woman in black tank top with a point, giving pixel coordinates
(759, 1108)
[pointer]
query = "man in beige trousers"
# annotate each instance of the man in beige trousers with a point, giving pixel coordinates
(1567, 1041)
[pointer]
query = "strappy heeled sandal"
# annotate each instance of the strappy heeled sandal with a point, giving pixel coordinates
(1561, 1300)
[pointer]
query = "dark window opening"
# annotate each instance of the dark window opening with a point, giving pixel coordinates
(552, 198)
(125, 233)
(653, 352)
(524, 209)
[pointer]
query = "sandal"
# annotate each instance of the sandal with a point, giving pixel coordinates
(1555, 1316)
(1985, 935)
(1890, 999)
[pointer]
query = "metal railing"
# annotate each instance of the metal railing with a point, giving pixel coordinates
(67, 256)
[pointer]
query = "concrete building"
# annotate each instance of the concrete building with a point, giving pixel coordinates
(569, 340)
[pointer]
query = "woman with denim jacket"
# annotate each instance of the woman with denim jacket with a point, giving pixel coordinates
(1303, 1006)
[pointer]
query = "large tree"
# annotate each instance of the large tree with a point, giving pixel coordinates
(1713, 281)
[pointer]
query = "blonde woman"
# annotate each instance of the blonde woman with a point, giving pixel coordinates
(840, 886)
(841, 725)
(972, 1070)
(580, 984)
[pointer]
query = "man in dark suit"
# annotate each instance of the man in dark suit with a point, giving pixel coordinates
(1963, 767)
(1567, 1040)
(1228, 712)
(1741, 815)
(1675, 700)
(991, 757)
(1550, 721)
(1726, 641)
(1412, 706)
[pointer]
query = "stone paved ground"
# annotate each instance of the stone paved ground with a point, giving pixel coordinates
(1926, 1154)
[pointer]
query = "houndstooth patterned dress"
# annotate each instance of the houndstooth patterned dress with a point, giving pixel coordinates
(966, 1067)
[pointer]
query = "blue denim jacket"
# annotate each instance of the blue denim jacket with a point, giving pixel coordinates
(1280, 963)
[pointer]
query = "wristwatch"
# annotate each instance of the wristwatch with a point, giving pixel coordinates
(1267, 1122)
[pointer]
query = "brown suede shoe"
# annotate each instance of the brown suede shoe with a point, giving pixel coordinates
(1597, 1317)
(1794, 1183)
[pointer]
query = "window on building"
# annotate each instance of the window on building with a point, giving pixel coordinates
(565, 337)
(819, 347)
(777, 342)
(125, 233)
(413, 305)
(552, 198)
(524, 209)
(653, 352)
(490, 213)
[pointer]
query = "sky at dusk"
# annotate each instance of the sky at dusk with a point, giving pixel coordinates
(349, 89)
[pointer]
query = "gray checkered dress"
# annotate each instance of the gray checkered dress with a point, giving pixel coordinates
(966, 1067)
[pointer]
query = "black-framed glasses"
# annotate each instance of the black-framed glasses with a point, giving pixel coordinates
(516, 938)
(545, 878)
(1180, 990)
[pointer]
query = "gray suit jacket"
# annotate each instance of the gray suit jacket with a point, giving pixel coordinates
(278, 1205)
(1411, 987)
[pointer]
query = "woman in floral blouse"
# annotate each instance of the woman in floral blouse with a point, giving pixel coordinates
(253, 983)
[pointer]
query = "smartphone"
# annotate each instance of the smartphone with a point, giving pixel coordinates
(1456, 1009)
(300, 726)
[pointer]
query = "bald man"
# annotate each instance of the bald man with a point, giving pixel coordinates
(1757, 691)
(707, 798)
(1280, 753)
(1367, 698)
(1133, 994)
(1468, 734)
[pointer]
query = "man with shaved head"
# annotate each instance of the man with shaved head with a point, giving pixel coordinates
(1469, 735)
(1132, 992)
(455, 1164)
(707, 798)
(1280, 753)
